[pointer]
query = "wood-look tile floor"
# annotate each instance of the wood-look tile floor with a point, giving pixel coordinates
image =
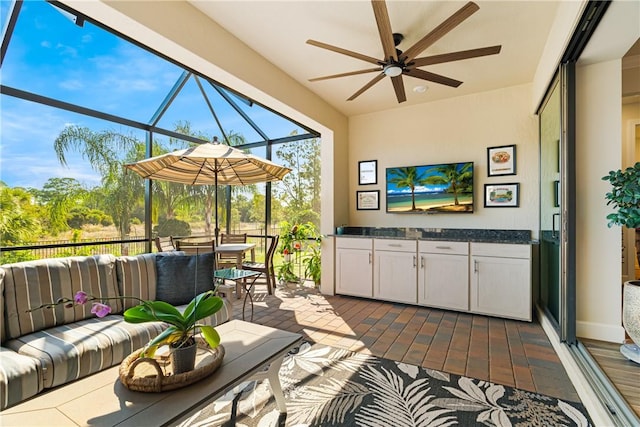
(508, 352)
(623, 373)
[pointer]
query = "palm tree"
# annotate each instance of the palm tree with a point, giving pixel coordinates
(451, 174)
(104, 151)
(407, 177)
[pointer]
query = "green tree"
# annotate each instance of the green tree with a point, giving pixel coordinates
(407, 177)
(103, 149)
(19, 220)
(59, 196)
(299, 191)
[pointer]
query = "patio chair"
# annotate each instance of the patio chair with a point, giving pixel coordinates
(196, 246)
(165, 244)
(266, 268)
(225, 260)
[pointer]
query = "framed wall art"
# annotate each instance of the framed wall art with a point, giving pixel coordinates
(502, 195)
(368, 172)
(501, 160)
(368, 200)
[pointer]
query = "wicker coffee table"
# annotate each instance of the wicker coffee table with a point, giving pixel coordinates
(102, 400)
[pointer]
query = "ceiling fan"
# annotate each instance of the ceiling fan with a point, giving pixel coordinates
(396, 63)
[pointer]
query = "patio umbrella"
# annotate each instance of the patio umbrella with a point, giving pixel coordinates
(210, 163)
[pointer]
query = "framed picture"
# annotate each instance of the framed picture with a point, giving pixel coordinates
(368, 172)
(368, 200)
(501, 160)
(501, 195)
(556, 194)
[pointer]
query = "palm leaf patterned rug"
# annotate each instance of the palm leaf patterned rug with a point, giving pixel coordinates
(326, 386)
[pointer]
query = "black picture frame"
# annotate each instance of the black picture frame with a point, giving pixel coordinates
(368, 200)
(501, 160)
(367, 172)
(556, 194)
(502, 195)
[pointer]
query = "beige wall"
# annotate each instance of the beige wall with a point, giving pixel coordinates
(599, 150)
(452, 130)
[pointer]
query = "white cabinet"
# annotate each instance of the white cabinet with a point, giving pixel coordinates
(501, 280)
(395, 270)
(443, 276)
(354, 266)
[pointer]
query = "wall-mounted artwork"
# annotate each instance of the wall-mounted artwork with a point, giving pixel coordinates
(368, 172)
(501, 195)
(368, 200)
(446, 187)
(501, 160)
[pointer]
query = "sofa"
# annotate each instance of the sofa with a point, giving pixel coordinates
(49, 347)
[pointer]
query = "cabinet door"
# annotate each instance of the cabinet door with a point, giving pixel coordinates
(443, 281)
(395, 276)
(354, 272)
(501, 287)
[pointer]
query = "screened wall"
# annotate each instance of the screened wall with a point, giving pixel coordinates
(77, 101)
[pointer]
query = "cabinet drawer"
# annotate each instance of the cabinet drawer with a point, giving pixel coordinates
(351, 243)
(443, 247)
(503, 250)
(395, 245)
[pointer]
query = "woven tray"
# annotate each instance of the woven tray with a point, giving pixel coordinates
(155, 375)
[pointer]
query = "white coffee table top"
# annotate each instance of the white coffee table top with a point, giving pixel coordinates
(101, 399)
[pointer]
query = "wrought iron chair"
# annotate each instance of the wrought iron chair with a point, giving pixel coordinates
(266, 267)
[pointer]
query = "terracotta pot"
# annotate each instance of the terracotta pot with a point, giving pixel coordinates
(183, 358)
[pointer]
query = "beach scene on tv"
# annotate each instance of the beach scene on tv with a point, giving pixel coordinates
(430, 188)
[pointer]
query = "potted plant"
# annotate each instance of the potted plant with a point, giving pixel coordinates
(625, 199)
(313, 262)
(292, 237)
(182, 326)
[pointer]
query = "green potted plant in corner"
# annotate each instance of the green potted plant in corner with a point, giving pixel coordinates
(625, 199)
(313, 262)
(292, 239)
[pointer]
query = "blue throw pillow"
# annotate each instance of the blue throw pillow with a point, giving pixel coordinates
(182, 277)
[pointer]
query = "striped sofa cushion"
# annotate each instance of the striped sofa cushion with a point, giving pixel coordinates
(73, 351)
(19, 377)
(30, 284)
(136, 278)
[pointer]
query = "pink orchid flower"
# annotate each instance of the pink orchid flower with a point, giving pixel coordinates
(100, 310)
(81, 297)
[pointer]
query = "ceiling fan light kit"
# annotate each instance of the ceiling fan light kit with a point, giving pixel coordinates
(392, 70)
(397, 63)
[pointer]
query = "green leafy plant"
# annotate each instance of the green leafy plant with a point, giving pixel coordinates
(182, 326)
(313, 261)
(285, 272)
(624, 196)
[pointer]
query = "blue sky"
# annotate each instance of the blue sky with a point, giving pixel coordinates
(50, 56)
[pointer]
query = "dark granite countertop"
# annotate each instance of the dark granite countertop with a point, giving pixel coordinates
(451, 234)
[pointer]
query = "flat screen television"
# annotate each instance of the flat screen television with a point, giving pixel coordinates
(446, 187)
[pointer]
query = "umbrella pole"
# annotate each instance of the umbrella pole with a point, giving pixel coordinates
(216, 230)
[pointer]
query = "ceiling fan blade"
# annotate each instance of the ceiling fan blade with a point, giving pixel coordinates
(453, 21)
(344, 51)
(375, 80)
(384, 28)
(432, 77)
(398, 86)
(456, 56)
(350, 73)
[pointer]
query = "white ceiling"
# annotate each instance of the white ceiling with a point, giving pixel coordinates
(278, 31)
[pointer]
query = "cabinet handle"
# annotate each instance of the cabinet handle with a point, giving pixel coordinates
(369, 257)
(421, 262)
(395, 245)
(415, 261)
(443, 247)
(475, 266)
